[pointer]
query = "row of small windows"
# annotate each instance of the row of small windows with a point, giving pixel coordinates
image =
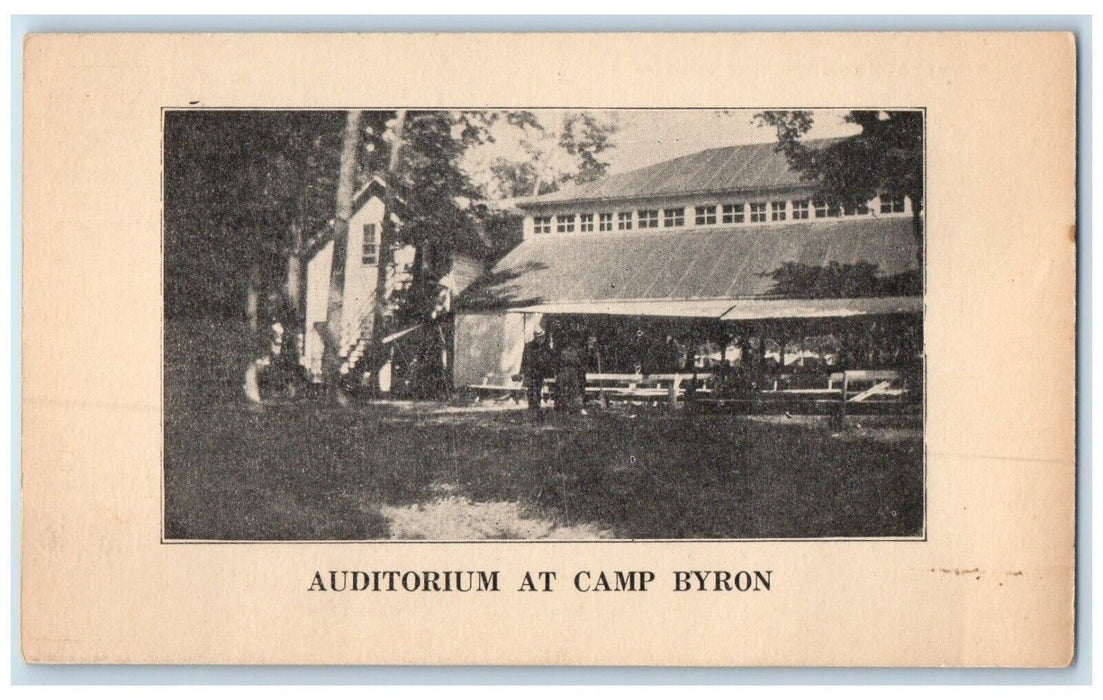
(734, 213)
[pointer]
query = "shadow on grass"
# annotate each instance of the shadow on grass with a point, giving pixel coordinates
(315, 472)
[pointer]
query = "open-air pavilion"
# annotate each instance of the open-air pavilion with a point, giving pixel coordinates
(795, 315)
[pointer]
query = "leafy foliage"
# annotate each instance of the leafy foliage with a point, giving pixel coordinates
(585, 137)
(885, 158)
(435, 195)
(840, 281)
(236, 185)
(549, 154)
(513, 178)
(242, 186)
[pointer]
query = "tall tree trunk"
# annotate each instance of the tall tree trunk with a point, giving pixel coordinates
(252, 300)
(296, 292)
(294, 282)
(350, 146)
(386, 243)
(252, 321)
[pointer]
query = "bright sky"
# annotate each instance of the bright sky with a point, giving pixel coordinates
(646, 136)
(652, 136)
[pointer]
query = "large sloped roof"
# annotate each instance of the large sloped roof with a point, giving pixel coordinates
(697, 265)
(728, 169)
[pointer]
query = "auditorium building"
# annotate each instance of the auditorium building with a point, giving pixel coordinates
(715, 252)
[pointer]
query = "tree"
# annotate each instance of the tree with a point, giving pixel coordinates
(240, 189)
(350, 147)
(513, 178)
(585, 137)
(245, 189)
(548, 153)
(386, 236)
(886, 158)
(427, 203)
(436, 204)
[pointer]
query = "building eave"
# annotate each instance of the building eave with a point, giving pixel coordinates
(536, 204)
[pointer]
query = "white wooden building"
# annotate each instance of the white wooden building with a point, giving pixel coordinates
(361, 278)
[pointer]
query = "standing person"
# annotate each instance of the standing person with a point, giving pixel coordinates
(535, 367)
(722, 379)
(671, 356)
(592, 364)
(567, 385)
(691, 386)
(258, 341)
(746, 379)
(266, 320)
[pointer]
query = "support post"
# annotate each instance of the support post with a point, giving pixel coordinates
(842, 400)
(762, 359)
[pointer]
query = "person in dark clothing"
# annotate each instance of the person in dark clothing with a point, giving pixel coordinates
(671, 356)
(568, 386)
(592, 363)
(747, 374)
(536, 366)
(691, 383)
(723, 383)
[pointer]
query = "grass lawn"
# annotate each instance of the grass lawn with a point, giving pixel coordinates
(427, 470)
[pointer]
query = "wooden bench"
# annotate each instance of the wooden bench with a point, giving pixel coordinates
(851, 387)
(851, 390)
(623, 387)
(647, 387)
(866, 384)
(513, 390)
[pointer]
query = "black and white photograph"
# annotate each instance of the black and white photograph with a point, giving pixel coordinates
(568, 324)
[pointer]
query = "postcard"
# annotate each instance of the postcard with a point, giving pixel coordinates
(611, 349)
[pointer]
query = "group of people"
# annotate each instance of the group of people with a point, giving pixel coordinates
(567, 362)
(742, 379)
(569, 358)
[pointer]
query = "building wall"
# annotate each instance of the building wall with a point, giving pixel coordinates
(317, 294)
(488, 346)
(360, 277)
(360, 281)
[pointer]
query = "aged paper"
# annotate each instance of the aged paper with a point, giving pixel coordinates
(116, 570)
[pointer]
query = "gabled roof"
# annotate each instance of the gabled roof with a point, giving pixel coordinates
(868, 256)
(374, 187)
(728, 169)
(471, 243)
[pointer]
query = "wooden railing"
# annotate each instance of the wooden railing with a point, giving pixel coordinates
(846, 388)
